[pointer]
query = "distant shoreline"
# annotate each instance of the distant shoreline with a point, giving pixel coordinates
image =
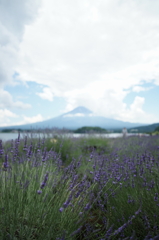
(9, 136)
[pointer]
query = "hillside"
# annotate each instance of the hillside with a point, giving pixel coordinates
(147, 128)
(90, 129)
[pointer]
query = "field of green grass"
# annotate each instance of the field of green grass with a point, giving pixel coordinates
(58, 188)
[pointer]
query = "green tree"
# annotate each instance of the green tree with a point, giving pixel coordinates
(157, 129)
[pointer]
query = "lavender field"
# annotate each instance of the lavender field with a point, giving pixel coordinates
(86, 188)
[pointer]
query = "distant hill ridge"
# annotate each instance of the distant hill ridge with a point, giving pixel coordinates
(77, 118)
(147, 128)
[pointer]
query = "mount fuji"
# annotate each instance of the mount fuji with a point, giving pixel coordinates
(77, 118)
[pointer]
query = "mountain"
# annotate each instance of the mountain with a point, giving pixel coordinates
(79, 111)
(77, 118)
(147, 128)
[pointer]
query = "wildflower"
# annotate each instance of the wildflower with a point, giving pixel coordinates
(94, 166)
(44, 182)
(87, 207)
(61, 209)
(1, 148)
(156, 237)
(76, 231)
(5, 164)
(29, 153)
(108, 233)
(114, 182)
(39, 191)
(156, 197)
(44, 156)
(66, 204)
(120, 229)
(25, 144)
(96, 178)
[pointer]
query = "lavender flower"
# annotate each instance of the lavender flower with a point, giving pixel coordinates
(156, 197)
(87, 207)
(156, 237)
(108, 233)
(39, 191)
(76, 231)
(25, 144)
(61, 209)
(5, 164)
(44, 156)
(120, 229)
(1, 148)
(66, 204)
(30, 151)
(44, 182)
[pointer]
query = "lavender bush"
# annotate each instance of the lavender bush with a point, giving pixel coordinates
(57, 190)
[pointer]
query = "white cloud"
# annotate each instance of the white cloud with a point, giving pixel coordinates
(136, 113)
(14, 15)
(6, 101)
(37, 118)
(46, 94)
(111, 105)
(8, 55)
(89, 52)
(27, 120)
(75, 49)
(5, 117)
(95, 96)
(139, 89)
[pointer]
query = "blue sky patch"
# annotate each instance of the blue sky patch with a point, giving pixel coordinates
(151, 97)
(27, 94)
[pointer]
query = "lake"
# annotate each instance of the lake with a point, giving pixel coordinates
(9, 136)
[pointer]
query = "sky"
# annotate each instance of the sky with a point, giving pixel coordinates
(58, 55)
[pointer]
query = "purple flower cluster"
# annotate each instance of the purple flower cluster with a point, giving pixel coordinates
(43, 184)
(105, 190)
(5, 163)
